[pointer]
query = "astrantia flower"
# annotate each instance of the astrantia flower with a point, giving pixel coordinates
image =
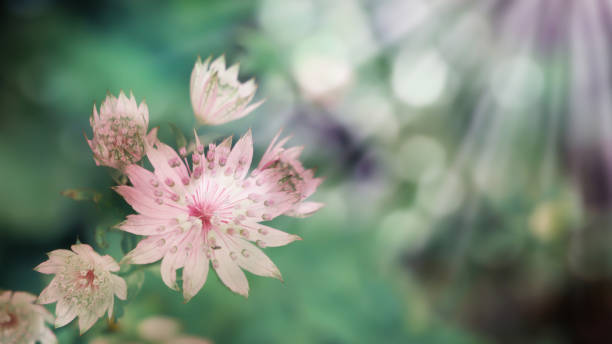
(83, 285)
(21, 321)
(210, 212)
(217, 96)
(119, 131)
(291, 175)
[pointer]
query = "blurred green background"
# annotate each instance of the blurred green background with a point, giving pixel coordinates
(466, 148)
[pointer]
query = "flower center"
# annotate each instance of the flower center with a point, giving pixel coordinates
(87, 279)
(9, 320)
(203, 212)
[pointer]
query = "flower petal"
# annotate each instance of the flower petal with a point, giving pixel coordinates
(230, 273)
(304, 209)
(148, 250)
(86, 321)
(241, 155)
(143, 224)
(252, 259)
(50, 294)
(271, 237)
(194, 272)
(145, 204)
(119, 286)
(65, 313)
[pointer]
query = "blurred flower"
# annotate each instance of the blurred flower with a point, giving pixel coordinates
(119, 131)
(158, 328)
(207, 213)
(189, 340)
(21, 321)
(83, 285)
(217, 96)
(292, 177)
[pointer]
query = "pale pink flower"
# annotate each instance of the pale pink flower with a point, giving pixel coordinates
(291, 174)
(22, 321)
(83, 285)
(217, 96)
(119, 131)
(209, 212)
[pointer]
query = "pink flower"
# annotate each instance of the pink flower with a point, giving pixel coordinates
(209, 212)
(83, 285)
(217, 96)
(119, 131)
(291, 175)
(22, 321)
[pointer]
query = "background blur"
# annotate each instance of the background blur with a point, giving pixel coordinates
(466, 146)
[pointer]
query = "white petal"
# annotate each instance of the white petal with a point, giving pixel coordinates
(86, 321)
(50, 294)
(119, 286)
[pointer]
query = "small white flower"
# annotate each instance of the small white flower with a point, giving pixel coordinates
(83, 285)
(217, 96)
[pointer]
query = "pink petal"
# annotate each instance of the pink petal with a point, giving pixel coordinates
(241, 155)
(141, 178)
(143, 225)
(48, 267)
(148, 250)
(252, 259)
(304, 209)
(230, 273)
(108, 263)
(194, 272)
(85, 251)
(174, 258)
(160, 159)
(50, 294)
(145, 204)
(269, 236)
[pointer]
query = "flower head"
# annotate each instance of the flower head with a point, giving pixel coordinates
(208, 213)
(22, 321)
(217, 96)
(119, 131)
(83, 285)
(291, 175)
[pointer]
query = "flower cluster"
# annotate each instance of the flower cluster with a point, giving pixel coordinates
(195, 209)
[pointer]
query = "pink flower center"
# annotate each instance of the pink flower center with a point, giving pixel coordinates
(87, 279)
(203, 212)
(10, 322)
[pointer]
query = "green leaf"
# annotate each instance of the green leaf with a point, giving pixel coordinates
(135, 281)
(128, 242)
(181, 141)
(100, 236)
